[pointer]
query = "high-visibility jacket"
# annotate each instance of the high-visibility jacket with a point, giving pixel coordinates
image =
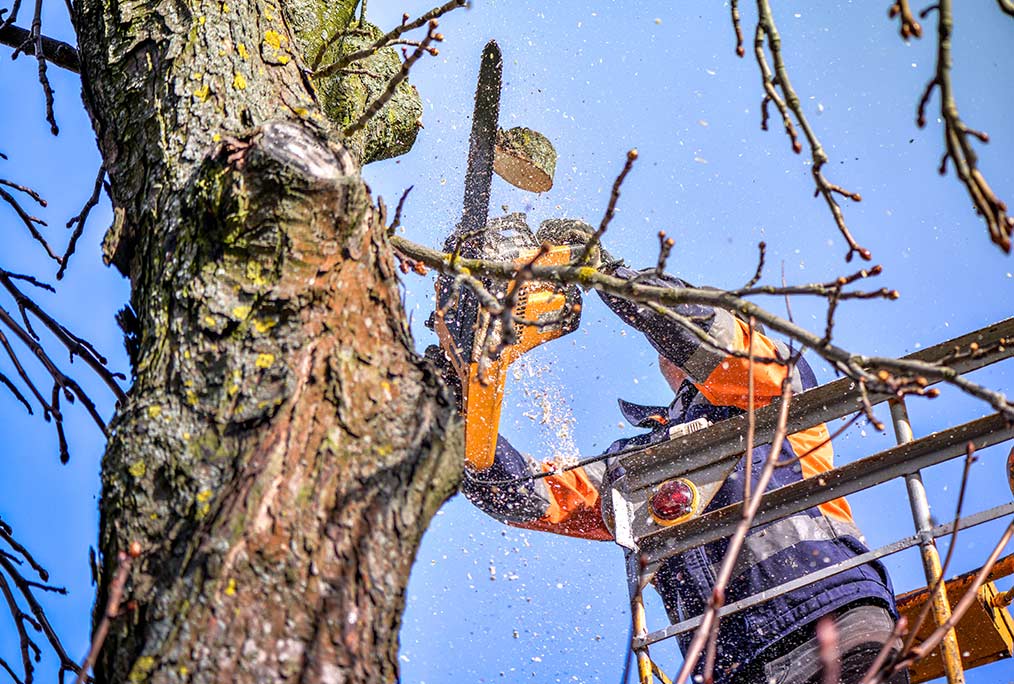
(773, 554)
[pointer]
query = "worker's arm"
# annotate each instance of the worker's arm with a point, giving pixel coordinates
(721, 377)
(567, 503)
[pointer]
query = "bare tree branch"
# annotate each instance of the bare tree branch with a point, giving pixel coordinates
(40, 57)
(387, 39)
(63, 384)
(970, 596)
(708, 619)
(924, 613)
(877, 373)
(56, 52)
(30, 222)
(779, 79)
(80, 220)
(392, 85)
(112, 611)
(614, 197)
(957, 134)
(957, 138)
(26, 611)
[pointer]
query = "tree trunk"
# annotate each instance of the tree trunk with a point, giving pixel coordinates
(283, 447)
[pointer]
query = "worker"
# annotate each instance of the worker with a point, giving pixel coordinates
(772, 642)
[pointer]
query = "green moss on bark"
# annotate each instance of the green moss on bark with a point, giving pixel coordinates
(346, 95)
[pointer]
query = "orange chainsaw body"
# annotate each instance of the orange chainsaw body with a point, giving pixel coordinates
(548, 311)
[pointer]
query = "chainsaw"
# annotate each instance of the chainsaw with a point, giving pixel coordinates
(479, 344)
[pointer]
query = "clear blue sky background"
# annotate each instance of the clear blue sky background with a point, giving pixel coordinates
(599, 79)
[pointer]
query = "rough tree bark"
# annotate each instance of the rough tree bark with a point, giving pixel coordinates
(283, 447)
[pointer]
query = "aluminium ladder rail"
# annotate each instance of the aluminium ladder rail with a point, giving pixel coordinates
(707, 456)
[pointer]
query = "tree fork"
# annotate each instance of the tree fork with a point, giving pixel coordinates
(283, 447)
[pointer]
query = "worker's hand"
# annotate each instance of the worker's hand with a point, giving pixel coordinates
(575, 232)
(452, 382)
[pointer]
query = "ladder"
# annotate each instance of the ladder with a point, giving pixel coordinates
(706, 458)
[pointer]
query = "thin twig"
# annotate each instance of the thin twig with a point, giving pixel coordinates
(779, 78)
(5, 343)
(832, 307)
(881, 663)
(18, 590)
(824, 289)
(31, 280)
(761, 246)
(507, 331)
(736, 27)
(864, 396)
(62, 383)
(971, 596)
(80, 220)
(958, 135)
(827, 440)
(969, 460)
(75, 345)
(11, 18)
(25, 189)
(40, 56)
(709, 662)
(614, 196)
(827, 640)
(708, 622)
(751, 410)
(123, 562)
(710, 653)
(30, 221)
(383, 41)
(393, 84)
(16, 392)
(665, 245)
(397, 212)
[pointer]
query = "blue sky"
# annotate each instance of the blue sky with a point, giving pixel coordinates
(598, 79)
